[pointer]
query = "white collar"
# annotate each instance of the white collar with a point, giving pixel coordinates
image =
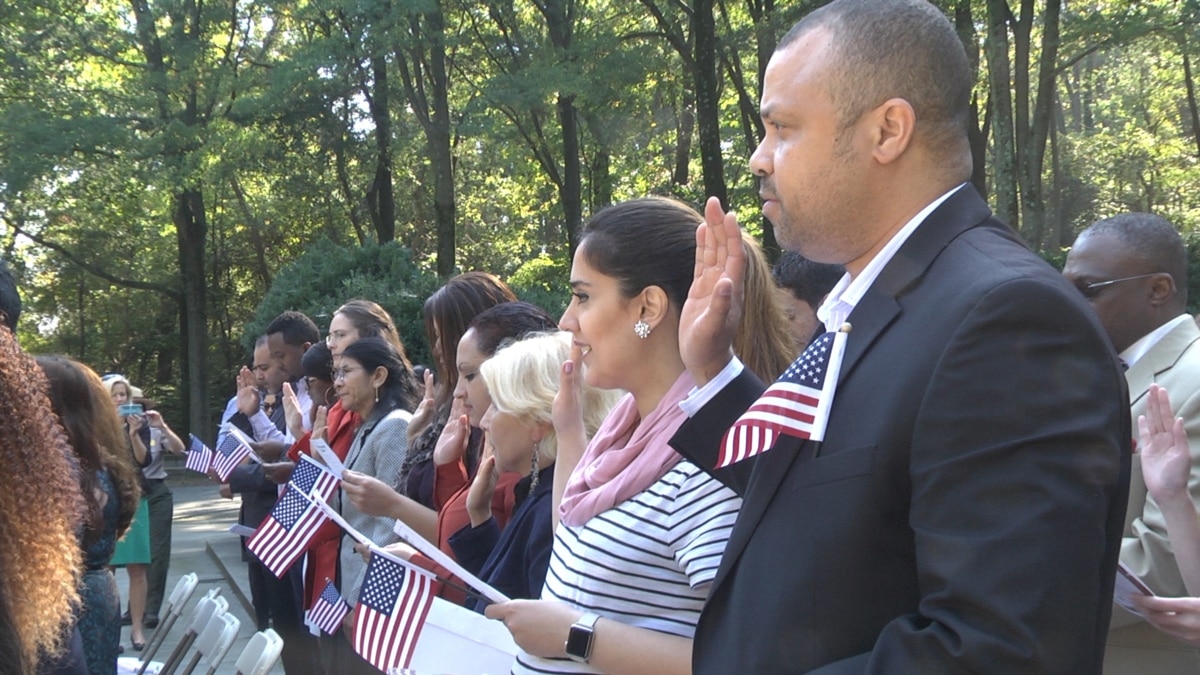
(850, 290)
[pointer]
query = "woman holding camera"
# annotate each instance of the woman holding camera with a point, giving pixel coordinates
(148, 552)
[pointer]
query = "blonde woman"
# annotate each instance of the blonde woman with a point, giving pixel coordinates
(522, 380)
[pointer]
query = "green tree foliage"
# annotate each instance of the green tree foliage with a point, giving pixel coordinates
(327, 275)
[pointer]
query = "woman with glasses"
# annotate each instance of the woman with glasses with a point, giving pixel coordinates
(375, 382)
(338, 426)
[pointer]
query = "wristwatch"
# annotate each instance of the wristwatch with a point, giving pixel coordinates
(581, 638)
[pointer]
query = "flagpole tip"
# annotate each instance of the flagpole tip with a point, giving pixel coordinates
(845, 327)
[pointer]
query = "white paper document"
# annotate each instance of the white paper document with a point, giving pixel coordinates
(335, 465)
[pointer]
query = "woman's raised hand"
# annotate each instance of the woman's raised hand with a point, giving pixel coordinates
(452, 444)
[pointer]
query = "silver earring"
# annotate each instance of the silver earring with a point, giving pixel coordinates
(642, 329)
(533, 466)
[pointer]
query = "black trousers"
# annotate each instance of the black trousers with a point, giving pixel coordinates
(275, 606)
(162, 511)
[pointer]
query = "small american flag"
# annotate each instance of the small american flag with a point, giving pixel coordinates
(284, 535)
(230, 453)
(329, 609)
(199, 455)
(797, 404)
(312, 478)
(391, 611)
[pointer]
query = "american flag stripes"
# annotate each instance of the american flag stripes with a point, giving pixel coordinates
(284, 535)
(392, 607)
(329, 609)
(199, 455)
(230, 452)
(312, 478)
(797, 404)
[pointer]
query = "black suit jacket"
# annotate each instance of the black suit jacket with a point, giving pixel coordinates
(258, 493)
(964, 511)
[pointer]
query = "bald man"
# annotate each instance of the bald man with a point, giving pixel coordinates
(1132, 268)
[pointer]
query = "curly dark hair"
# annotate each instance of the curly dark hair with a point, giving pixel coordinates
(40, 503)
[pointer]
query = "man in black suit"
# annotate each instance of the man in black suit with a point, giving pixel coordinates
(274, 599)
(963, 511)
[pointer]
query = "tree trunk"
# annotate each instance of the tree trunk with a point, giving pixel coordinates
(572, 188)
(445, 208)
(191, 228)
(381, 194)
(600, 179)
(1032, 148)
(685, 123)
(999, 86)
(708, 112)
(422, 67)
(560, 20)
(1193, 111)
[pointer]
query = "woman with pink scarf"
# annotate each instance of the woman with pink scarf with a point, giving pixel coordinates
(641, 530)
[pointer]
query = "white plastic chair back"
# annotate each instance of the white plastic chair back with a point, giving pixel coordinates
(204, 608)
(229, 633)
(260, 653)
(182, 593)
(204, 612)
(209, 639)
(175, 603)
(214, 641)
(206, 642)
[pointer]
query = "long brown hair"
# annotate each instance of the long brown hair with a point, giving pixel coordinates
(85, 410)
(762, 341)
(449, 312)
(40, 502)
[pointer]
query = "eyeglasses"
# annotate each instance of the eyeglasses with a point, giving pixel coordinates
(339, 374)
(1093, 289)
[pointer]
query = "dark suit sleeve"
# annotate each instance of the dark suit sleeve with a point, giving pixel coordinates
(250, 477)
(1019, 473)
(699, 438)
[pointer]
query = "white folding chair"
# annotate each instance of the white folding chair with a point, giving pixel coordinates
(175, 603)
(205, 610)
(260, 653)
(214, 641)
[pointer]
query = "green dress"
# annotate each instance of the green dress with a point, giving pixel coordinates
(134, 547)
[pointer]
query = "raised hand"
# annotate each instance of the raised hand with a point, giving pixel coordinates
(319, 426)
(248, 400)
(714, 304)
(479, 497)
(452, 444)
(1163, 446)
(292, 412)
(426, 408)
(566, 413)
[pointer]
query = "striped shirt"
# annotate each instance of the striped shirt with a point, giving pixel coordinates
(646, 562)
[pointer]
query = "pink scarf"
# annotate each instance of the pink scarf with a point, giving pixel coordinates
(625, 457)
